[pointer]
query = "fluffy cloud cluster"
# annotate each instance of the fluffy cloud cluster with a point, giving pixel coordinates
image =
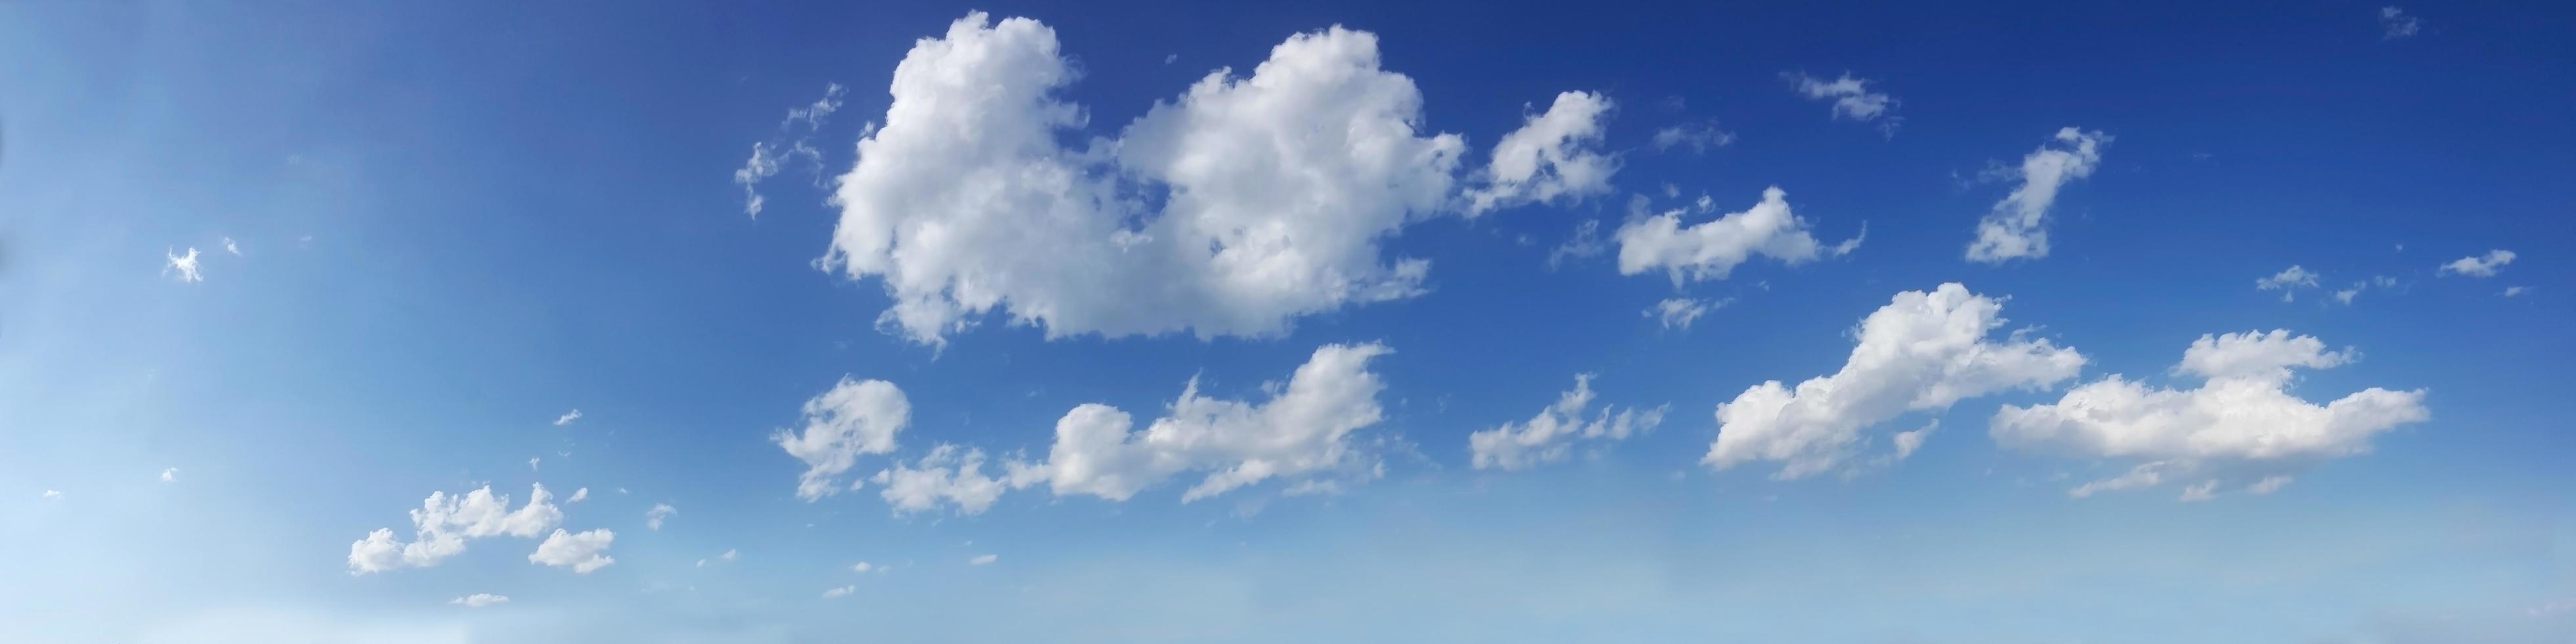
(1922, 351)
(2289, 281)
(1550, 158)
(184, 266)
(444, 522)
(2241, 429)
(854, 418)
(1711, 249)
(1303, 434)
(1549, 435)
(2014, 228)
(1852, 99)
(1230, 210)
(2478, 265)
(659, 513)
(581, 551)
(950, 474)
(1680, 312)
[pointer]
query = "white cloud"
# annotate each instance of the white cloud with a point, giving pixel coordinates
(2477, 265)
(1699, 137)
(865, 567)
(829, 593)
(578, 495)
(788, 145)
(1680, 312)
(949, 474)
(1923, 351)
(855, 417)
(1553, 156)
(1231, 210)
(184, 265)
(2241, 428)
(2288, 281)
(479, 600)
(2015, 229)
(1709, 250)
(729, 555)
(660, 512)
(532, 463)
(1301, 433)
(53, 494)
(983, 559)
(231, 247)
(2382, 282)
(583, 551)
(567, 418)
(2515, 291)
(169, 474)
(443, 523)
(1548, 436)
(1852, 99)
(2394, 23)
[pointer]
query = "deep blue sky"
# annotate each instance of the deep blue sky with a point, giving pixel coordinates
(455, 223)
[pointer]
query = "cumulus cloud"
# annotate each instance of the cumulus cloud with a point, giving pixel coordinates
(582, 551)
(2241, 429)
(1554, 156)
(1548, 436)
(790, 145)
(185, 266)
(479, 600)
(1711, 249)
(2395, 23)
(829, 593)
(2015, 229)
(865, 567)
(854, 418)
(1852, 99)
(660, 512)
(950, 474)
(1680, 312)
(2288, 282)
(169, 474)
(1923, 351)
(1302, 434)
(2478, 265)
(983, 559)
(444, 522)
(1230, 210)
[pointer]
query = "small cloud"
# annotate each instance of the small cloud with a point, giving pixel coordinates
(653, 518)
(730, 554)
(578, 495)
(836, 592)
(1171, 58)
(2394, 23)
(532, 463)
(479, 600)
(169, 474)
(231, 247)
(184, 265)
(2289, 281)
(53, 494)
(2515, 291)
(1699, 137)
(2478, 265)
(983, 559)
(1852, 99)
(865, 567)
(567, 418)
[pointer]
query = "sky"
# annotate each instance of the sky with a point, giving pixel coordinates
(1191, 322)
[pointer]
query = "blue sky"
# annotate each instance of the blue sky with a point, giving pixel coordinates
(1326, 322)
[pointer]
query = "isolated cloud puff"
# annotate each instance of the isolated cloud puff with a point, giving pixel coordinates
(1922, 351)
(2016, 227)
(1231, 209)
(2241, 429)
(854, 418)
(1710, 250)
